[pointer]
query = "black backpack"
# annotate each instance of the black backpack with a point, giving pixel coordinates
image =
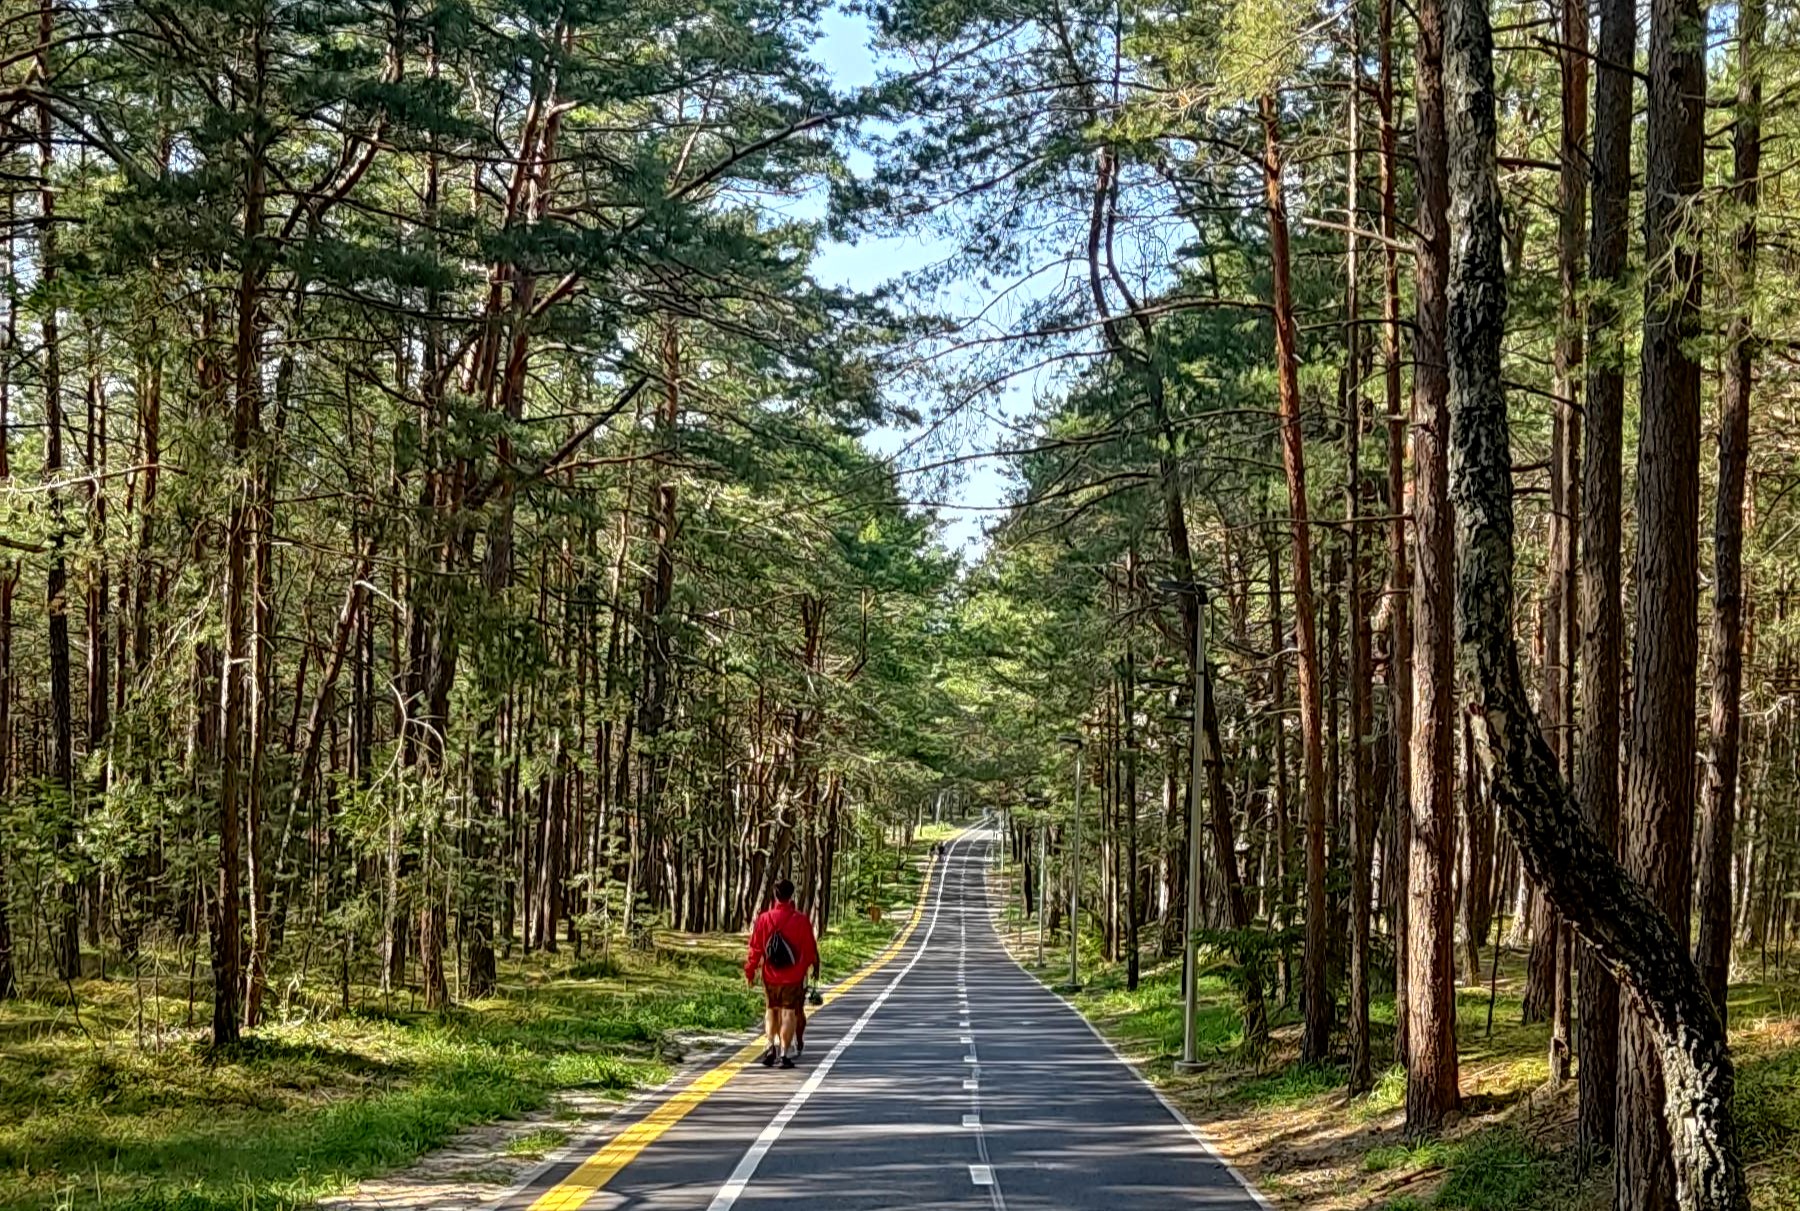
(778, 952)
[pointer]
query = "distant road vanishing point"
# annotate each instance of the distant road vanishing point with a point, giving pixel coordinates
(945, 1078)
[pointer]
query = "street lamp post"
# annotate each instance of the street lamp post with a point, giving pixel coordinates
(1043, 882)
(1075, 873)
(1190, 1060)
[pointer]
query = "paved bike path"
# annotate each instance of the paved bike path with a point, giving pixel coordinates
(950, 1078)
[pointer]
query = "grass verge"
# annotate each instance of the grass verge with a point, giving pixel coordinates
(1289, 1127)
(90, 1116)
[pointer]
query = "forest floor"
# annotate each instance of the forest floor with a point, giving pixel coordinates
(110, 1098)
(1290, 1129)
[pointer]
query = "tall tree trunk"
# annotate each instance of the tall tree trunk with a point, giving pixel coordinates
(1717, 822)
(1573, 866)
(1399, 586)
(1278, 751)
(1362, 817)
(1659, 798)
(9, 580)
(65, 910)
(238, 794)
(1128, 711)
(1146, 366)
(1602, 624)
(1316, 1041)
(1432, 1092)
(1478, 859)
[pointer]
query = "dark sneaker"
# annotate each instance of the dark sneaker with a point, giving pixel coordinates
(787, 1061)
(768, 1057)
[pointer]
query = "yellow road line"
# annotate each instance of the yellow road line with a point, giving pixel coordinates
(591, 1175)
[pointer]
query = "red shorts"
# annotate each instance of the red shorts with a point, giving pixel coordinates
(785, 996)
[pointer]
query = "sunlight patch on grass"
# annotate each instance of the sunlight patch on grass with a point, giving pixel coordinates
(1292, 1084)
(537, 1143)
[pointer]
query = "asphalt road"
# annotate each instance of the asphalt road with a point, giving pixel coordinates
(948, 1079)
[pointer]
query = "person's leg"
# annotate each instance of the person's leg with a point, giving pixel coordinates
(788, 1030)
(772, 1028)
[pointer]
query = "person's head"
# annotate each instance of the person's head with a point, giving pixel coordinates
(784, 891)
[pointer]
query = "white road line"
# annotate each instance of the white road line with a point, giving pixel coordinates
(734, 1186)
(972, 1085)
(995, 1196)
(1206, 1145)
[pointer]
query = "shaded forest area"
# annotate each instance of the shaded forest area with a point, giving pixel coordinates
(442, 526)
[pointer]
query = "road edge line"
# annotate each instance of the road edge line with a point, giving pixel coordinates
(745, 1170)
(622, 1145)
(1175, 1112)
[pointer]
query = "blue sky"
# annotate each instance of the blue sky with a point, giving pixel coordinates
(975, 495)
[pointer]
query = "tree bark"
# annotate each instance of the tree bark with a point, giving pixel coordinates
(65, 909)
(1659, 798)
(1719, 806)
(1602, 624)
(1361, 1076)
(1316, 1040)
(9, 580)
(1432, 1091)
(1399, 587)
(1612, 910)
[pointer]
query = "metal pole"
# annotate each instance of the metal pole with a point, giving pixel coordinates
(1190, 1060)
(1075, 882)
(1043, 858)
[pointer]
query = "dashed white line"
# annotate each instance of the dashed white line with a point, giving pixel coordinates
(739, 1180)
(981, 1175)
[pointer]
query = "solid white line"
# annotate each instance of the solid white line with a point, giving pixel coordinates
(1206, 1145)
(739, 1180)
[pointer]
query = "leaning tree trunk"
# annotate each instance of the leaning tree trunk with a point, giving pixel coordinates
(1609, 908)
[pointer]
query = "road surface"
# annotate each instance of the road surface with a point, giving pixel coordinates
(947, 1078)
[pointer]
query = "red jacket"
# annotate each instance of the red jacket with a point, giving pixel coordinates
(797, 928)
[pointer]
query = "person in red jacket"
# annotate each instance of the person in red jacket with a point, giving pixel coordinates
(782, 933)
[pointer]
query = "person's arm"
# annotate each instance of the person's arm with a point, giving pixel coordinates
(754, 959)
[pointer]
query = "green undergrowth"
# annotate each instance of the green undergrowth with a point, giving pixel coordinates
(1510, 1151)
(112, 1101)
